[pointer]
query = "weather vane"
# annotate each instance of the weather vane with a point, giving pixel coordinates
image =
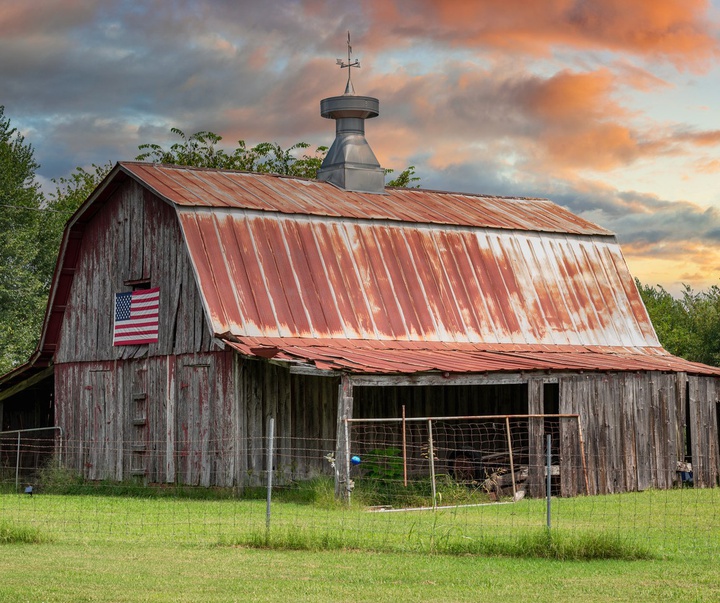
(349, 89)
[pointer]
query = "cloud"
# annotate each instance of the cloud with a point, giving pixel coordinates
(673, 30)
(515, 98)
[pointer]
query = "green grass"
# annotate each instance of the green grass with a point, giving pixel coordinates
(646, 546)
(13, 533)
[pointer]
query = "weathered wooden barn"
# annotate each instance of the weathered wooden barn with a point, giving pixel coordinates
(315, 300)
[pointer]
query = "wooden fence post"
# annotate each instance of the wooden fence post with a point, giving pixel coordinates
(343, 485)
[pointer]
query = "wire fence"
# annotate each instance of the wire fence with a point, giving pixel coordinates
(416, 485)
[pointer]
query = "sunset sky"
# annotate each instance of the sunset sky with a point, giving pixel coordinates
(608, 107)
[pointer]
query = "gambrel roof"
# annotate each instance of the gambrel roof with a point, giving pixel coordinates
(402, 282)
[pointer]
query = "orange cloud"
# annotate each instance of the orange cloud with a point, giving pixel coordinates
(24, 19)
(711, 166)
(599, 147)
(570, 97)
(678, 30)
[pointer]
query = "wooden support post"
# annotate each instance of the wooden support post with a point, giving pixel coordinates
(343, 485)
(536, 427)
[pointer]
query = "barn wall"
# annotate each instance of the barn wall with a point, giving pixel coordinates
(133, 236)
(635, 430)
(704, 395)
(195, 419)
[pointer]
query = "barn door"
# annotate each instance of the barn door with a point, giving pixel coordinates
(193, 420)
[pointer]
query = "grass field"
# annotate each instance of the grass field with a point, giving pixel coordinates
(110, 548)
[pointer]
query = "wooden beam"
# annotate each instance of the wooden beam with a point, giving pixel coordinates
(309, 370)
(443, 379)
(29, 382)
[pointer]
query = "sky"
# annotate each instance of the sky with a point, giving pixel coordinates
(608, 107)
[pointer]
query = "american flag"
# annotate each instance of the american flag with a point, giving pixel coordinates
(136, 317)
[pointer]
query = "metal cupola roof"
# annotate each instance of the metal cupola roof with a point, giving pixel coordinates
(350, 164)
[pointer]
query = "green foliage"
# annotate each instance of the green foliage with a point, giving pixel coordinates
(372, 492)
(58, 480)
(384, 464)
(201, 150)
(405, 179)
(688, 326)
(22, 283)
(319, 492)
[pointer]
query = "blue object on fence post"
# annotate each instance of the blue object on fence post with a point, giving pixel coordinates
(355, 460)
(549, 473)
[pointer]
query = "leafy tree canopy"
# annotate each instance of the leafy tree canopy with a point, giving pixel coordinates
(22, 291)
(688, 326)
(201, 150)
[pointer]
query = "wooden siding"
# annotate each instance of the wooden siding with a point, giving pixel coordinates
(635, 433)
(196, 419)
(134, 236)
(704, 394)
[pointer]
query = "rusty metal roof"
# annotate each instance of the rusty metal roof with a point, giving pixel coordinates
(199, 187)
(272, 275)
(366, 356)
(408, 281)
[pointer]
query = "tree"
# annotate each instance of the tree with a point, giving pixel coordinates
(688, 326)
(201, 150)
(22, 292)
(404, 179)
(70, 193)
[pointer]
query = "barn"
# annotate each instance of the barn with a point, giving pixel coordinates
(318, 301)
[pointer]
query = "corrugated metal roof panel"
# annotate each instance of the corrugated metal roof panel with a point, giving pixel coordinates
(407, 357)
(197, 187)
(275, 275)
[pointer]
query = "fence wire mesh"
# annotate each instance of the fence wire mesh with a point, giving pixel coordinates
(483, 488)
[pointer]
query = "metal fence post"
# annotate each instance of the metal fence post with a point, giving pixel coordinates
(431, 454)
(549, 474)
(270, 442)
(17, 465)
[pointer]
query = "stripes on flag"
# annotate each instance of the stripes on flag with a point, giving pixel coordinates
(136, 317)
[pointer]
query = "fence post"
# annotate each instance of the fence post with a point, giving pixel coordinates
(404, 442)
(549, 475)
(17, 466)
(343, 485)
(431, 455)
(270, 442)
(512, 461)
